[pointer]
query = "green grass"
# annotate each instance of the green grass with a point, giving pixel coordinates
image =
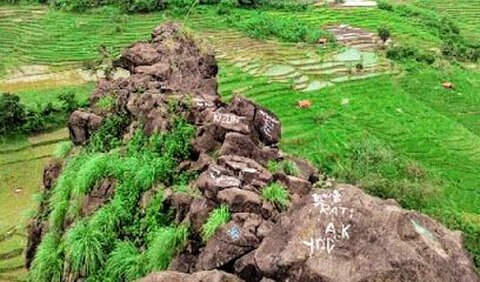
(33, 97)
(48, 263)
(217, 218)
(403, 137)
(276, 194)
(164, 245)
(63, 148)
(85, 249)
(125, 263)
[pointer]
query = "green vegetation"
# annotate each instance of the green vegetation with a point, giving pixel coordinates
(89, 244)
(16, 118)
(48, 262)
(166, 242)
(286, 166)
(125, 263)
(63, 148)
(262, 25)
(217, 218)
(276, 194)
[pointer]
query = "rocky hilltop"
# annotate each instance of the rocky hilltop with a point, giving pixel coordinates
(284, 225)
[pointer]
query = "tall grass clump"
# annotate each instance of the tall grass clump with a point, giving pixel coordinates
(86, 249)
(217, 218)
(164, 245)
(276, 194)
(47, 265)
(125, 263)
(62, 149)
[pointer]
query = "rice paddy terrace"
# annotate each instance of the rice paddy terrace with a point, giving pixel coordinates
(406, 113)
(465, 12)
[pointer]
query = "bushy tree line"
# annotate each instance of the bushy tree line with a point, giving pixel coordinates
(156, 5)
(454, 44)
(16, 117)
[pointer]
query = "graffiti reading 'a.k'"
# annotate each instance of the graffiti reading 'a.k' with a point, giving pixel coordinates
(329, 204)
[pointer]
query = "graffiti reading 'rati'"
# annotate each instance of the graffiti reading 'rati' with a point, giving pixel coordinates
(329, 205)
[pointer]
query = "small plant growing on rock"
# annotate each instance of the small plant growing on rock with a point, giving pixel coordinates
(290, 168)
(106, 103)
(164, 245)
(276, 194)
(125, 263)
(216, 219)
(273, 166)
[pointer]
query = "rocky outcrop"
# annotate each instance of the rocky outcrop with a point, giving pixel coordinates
(345, 235)
(338, 234)
(37, 226)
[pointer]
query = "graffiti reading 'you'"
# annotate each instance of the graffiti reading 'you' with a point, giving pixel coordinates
(330, 206)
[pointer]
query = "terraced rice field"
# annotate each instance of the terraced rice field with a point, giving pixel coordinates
(303, 67)
(416, 128)
(464, 12)
(21, 169)
(11, 257)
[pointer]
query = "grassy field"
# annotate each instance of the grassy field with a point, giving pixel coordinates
(399, 134)
(465, 12)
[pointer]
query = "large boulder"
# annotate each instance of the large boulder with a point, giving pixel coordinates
(81, 126)
(202, 276)
(346, 235)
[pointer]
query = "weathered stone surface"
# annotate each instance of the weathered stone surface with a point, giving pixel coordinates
(248, 170)
(238, 144)
(346, 235)
(51, 173)
(240, 200)
(99, 195)
(242, 107)
(81, 126)
(294, 184)
(214, 179)
(200, 208)
(268, 125)
(202, 276)
(246, 268)
(231, 241)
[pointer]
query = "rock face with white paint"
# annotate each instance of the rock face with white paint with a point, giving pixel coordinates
(346, 235)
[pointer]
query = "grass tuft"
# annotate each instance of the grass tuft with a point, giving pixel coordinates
(125, 263)
(217, 218)
(164, 245)
(48, 262)
(63, 148)
(86, 249)
(276, 194)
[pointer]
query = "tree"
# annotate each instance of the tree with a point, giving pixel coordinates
(12, 113)
(384, 34)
